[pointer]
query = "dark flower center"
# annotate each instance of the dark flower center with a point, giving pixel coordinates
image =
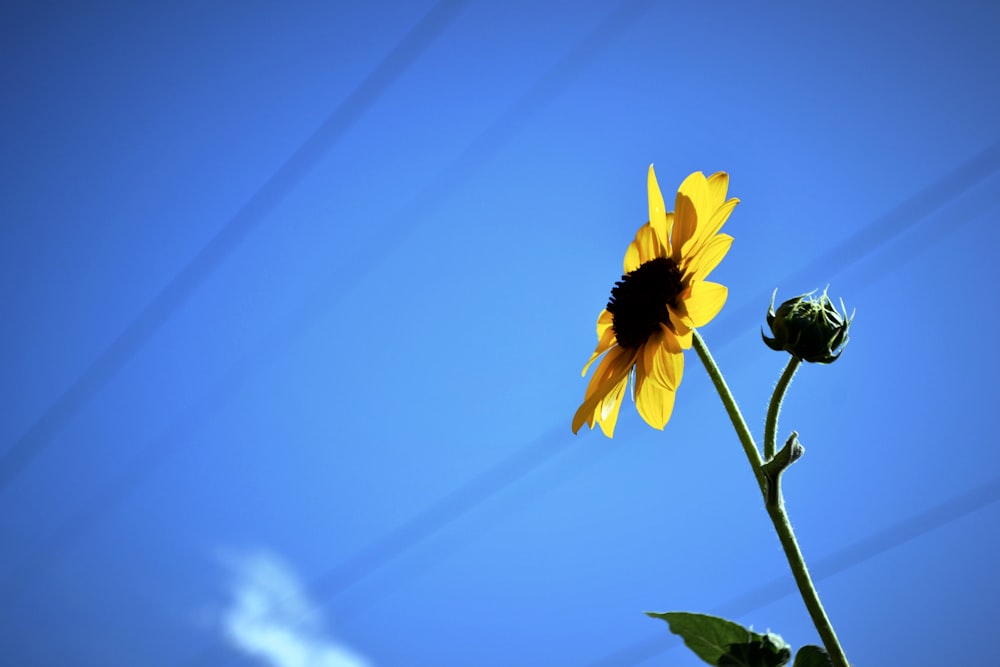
(639, 301)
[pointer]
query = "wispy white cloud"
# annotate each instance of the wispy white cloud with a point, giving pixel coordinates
(271, 617)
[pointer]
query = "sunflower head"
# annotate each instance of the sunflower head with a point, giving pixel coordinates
(661, 298)
(810, 328)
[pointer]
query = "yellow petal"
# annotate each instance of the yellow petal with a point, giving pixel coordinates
(605, 338)
(713, 224)
(604, 322)
(655, 360)
(685, 225)
(598, 352)
(655, 403)
(645, 247)
(695, 189)
(669, 360)
(708, 257)
(611, 406)
(614, 367)
(645, 361)
(704, 302)
(584, 415)
(588, 413)
(632, 260)
(665, 236)
(718, 185)
(589, 410)
(657, 209)
(680, 327)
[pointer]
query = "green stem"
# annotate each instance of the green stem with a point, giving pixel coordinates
(771, 425)
(735, 416)
(779, 517)
(775, 508)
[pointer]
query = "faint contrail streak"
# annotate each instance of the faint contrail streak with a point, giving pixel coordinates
(184, 284)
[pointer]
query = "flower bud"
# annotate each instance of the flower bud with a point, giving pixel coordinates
(807, 327)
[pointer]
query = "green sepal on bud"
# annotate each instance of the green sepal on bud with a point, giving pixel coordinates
(809, 328)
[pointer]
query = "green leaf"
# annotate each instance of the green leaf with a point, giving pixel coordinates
(726, 644)
(812, 656)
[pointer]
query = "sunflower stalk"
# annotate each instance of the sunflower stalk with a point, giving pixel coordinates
(770, 486)
(735, 416)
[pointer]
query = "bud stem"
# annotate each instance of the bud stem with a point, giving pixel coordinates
(776, 508)
(771, 425)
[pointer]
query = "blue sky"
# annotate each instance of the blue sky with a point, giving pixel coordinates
(297, 297)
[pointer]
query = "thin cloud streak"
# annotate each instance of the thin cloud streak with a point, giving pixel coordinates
(229, 238)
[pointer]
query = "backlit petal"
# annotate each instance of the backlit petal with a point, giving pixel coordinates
(718, 185)
(681, 328)
(593, 357)
(612, 400)
(713, 224)
(708, 257)
(589, 411)
(644, 359)
(655, 403)
(645, 247)
(611, 406)
(704, 302)
(695, 190)
(605, 338)
(604, 322)
(583, 415)
(657, 209)
(665, 236)
(614, 368)
(632, 260)
(651, 364)
(648, 243)
(685, 225)
(669, 360)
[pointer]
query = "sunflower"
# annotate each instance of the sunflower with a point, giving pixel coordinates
(662, 297)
